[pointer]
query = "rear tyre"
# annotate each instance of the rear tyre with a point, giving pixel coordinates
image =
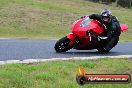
(63, 45)
(112, 43)
(103, 50)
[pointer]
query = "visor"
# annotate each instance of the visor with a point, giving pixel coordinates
(106, 18)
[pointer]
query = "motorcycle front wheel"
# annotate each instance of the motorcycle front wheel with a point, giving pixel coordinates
(63, 45)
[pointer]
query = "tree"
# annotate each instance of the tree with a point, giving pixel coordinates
(124, 3)
(104, 1)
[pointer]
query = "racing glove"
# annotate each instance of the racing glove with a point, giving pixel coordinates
(84, 16)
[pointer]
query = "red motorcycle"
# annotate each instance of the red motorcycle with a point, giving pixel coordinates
(80, 37)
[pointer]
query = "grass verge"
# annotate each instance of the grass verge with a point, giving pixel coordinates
(61, 74)
(42, 19)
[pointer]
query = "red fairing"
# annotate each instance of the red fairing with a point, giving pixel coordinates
(94, 26)
(71, 36)
(77, 29)
(124, 27)
(81, 31)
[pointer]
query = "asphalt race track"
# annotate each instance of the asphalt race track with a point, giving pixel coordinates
(20, 49)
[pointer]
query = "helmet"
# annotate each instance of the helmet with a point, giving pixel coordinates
(106, 16)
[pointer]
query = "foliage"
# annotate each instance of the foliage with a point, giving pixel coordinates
(104, 1)
(122, 3)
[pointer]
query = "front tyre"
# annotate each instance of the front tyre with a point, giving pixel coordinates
(63, 45)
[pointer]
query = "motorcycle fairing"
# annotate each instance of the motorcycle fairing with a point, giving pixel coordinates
(124, 27)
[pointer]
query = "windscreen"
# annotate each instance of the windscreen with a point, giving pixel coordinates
(85, 22)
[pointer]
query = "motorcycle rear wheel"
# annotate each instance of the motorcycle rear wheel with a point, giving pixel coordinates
(102, 50)
(112, 43)
(63, 45)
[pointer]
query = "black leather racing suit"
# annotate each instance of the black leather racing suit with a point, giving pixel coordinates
(112, 31)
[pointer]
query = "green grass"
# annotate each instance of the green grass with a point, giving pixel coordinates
(61, 74)
(51, 18)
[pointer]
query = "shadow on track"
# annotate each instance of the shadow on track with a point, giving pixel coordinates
(84, 53)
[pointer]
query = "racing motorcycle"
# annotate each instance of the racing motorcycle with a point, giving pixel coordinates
(80, 37)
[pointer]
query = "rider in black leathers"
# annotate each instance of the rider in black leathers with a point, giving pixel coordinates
(110, 37)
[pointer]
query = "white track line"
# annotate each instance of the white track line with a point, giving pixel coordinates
(28, 61)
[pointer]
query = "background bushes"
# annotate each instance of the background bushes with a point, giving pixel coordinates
(122, 3)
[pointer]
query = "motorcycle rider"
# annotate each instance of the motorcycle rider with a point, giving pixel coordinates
(110, 37)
